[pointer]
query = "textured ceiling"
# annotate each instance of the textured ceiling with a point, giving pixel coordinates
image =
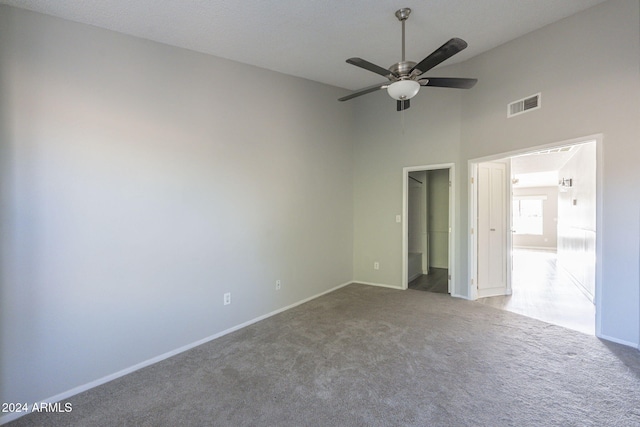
(313, 38)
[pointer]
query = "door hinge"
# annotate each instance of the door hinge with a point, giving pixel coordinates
(449, 277)
(472, 231)
(472, 180)
(472, 281)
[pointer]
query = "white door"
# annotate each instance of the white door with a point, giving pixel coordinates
(492, 230)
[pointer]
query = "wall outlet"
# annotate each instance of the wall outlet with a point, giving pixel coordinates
(227, 298)
(376, 265)
(398, 218)
(278, 285)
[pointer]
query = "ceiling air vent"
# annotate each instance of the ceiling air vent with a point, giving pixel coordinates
(523, 105)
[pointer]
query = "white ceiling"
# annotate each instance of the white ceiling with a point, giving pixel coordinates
(540, 169)
(313, 38)
(541, 162)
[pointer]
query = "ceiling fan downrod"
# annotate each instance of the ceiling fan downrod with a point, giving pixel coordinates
(404, 78)
(403, 15)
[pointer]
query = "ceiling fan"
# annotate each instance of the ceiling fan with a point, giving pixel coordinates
(405, 77)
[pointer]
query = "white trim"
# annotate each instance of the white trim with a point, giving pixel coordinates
(452, 217)
(380, 285)
(472, 249)
(452, 228)
(472, 232)
(538, 248)
(599, 232)
(509, 221)
(76, 390)
(455, 295)
(514, 153)
(619, 341)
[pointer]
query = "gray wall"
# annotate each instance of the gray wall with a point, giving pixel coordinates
(438, 194)
(428, 134)
(588, 70)
(140, 182)
(417, 213)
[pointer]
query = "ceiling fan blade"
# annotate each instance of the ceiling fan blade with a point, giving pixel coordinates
(364, 91)
(359, 62)
(439, 55)
(403, 105)
(453, 82)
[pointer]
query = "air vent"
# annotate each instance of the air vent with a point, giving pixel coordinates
(523, 105)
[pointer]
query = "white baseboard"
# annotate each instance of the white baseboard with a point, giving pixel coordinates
(76, 390)
(619, 341)
(445, 266)
(537, 248)
(493, 292)
(414, 277)
(382, 285)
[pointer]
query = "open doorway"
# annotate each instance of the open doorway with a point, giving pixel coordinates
(427, 234)
(551, 203)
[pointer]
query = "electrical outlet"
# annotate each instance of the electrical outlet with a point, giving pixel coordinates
(376, 265)
(227, 298)
(278, 285)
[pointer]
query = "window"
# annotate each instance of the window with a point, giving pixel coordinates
(528, 214)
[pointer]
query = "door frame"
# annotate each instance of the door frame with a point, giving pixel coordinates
(472, 290)
(405, 225)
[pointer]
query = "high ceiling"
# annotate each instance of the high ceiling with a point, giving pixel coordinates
(313, 38)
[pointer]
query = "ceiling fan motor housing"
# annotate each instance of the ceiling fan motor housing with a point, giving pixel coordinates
(404, 78)
(403, 68)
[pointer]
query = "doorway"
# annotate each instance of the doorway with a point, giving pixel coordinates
(553, 203)
(428, 215)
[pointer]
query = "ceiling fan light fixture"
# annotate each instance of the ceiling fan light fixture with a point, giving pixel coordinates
(404, 78)
(403, 90)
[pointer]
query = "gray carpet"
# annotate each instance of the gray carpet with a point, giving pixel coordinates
(367, 356)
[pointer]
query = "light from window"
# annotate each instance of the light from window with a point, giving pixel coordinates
(527, 216)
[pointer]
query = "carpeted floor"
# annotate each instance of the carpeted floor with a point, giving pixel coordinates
(368, 356)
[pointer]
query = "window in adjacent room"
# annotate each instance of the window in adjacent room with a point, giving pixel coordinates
(528, 214)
